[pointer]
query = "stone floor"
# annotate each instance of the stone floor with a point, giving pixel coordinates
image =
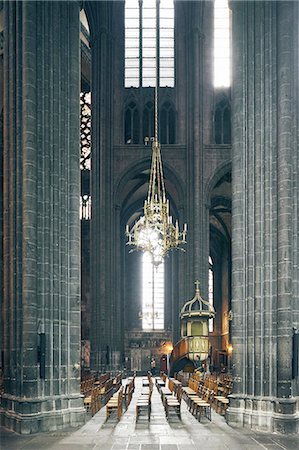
(158, 434)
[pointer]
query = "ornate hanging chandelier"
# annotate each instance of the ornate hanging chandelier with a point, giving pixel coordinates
(154, 232)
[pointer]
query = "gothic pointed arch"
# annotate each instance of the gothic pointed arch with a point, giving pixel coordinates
(222, 120)
(132, 123)
(167, 129)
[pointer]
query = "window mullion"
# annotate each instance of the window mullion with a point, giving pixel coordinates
(158, 43)
(140, 42)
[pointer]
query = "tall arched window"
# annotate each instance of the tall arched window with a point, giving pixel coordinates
(85, 155)
(132, 124)
(211, 292)
(167, 124)
(142, 19)
(222, 122)
(152, 294)
(221, 43)
(148, 120)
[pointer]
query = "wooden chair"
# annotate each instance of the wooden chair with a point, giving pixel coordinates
(95, 401)
(115, 404)
(87, 403)
(201, 406)
(221, 403)
(173, 403)
(144, 404)
(128, 393)
(188, 390)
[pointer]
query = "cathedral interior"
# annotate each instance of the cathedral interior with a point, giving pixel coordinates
(88, 91)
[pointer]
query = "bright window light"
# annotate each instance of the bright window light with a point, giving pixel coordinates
(221, 44)
(211, 292)
(140, 43)
(152, 294)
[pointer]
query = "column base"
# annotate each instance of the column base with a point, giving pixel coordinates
(27, 415)
(266, 414)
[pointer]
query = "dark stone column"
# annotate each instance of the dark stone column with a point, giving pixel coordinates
(41, 220)
(105, 335)
(197, 214)
(264, 142)
(1, 193)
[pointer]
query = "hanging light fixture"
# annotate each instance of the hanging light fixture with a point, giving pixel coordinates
(154, 232)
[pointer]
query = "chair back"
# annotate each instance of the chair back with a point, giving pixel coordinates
(179, 394)
(120, 397)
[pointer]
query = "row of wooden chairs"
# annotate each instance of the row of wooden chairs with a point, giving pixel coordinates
(198, 402)
(121, 398)
(171, 395)
(129, 390)
(173, 403)
(144, 402)
(87, 385)
(115, 404)
(221, 386)
(198, 389)
(101, 392)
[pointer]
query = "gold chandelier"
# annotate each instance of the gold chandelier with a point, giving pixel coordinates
(154, 232)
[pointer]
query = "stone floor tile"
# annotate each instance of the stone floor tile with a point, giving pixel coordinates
(287, 442)
(169, 447)
(103, 446)
(144, 439)
(175, 440)
(150, 447)
(119, 447)
(187, 447)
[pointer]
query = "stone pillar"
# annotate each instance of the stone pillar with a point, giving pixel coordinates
(197, 214)
(41, 220)
(104, 327)
(1, 191)
(264, 144)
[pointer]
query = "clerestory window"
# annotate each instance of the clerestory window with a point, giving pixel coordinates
(221, 43)
(146, 23)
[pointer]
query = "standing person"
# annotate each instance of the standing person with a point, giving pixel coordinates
(153, 366)
(197, 362)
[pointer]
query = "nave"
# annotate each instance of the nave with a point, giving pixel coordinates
(159, 433)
